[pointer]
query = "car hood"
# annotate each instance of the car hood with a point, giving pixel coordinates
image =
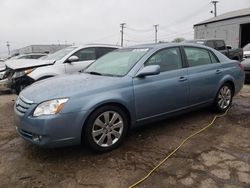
(246, 53)
(68, 86)
(27, 63)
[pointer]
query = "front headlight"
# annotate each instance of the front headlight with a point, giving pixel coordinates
(22, 73)
(50, 107)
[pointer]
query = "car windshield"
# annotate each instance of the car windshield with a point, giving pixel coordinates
(17, 57)
(59, 54)
(247, 47)
(117, 63)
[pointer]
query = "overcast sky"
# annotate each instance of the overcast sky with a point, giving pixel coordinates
(25, 22)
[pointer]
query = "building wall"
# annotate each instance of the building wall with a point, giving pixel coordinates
(229, 30)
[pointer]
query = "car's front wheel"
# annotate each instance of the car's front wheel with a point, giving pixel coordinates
(105, 129)
(223, 98)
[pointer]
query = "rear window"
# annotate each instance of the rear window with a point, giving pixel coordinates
(197, 56)
(210, 44)
(220, 45)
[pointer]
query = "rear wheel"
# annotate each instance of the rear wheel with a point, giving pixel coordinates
(105, 129)
(223, 98)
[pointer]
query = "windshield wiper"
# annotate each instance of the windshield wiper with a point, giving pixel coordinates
(93, 72)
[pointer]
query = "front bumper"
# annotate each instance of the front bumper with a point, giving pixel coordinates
(4, 84)
(50, 131)
(16, 82)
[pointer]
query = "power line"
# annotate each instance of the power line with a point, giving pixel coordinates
(139, 30)
(174, 35)
(132, 39)
(106, 37)
(189, 16)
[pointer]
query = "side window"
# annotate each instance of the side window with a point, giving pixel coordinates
(86, 54)
(220, 45)
(168, 59)
(210, 44)
(103, 50)
(35, 56)
(197, 56)
(213, 58)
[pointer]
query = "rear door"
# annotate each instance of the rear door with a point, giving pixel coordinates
(86, 56)
(166, 92)
(204, 74)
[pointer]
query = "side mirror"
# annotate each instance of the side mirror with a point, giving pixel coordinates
(73, 59)
(229, 47)
(149, 70)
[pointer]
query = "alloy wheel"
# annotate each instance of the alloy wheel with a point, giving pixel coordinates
(107, 128)
(224, 97)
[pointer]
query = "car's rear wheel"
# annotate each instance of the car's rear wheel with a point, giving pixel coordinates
(105, 129)
(223, 98)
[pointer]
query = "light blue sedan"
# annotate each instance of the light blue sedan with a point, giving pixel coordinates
(125, 88)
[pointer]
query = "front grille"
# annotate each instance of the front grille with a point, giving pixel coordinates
(25, 134)
(22, 104)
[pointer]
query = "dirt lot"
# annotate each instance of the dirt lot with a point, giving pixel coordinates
(218, 157)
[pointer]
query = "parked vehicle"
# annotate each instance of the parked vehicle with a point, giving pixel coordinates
(28, 56)
(21, 73)
(2, 69)
(236, 54)
(22, 56)
(125, 88)
(246, 51)
(246, 64)
(2, 66)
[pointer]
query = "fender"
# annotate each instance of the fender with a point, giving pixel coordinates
(225, 79)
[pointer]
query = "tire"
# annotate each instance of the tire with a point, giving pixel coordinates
(223, 98)
(103, 133)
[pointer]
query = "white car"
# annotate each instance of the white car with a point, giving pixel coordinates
(246, 51)
(21, 73)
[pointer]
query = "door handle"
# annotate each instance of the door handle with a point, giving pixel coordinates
(182, 79)
(218, 71)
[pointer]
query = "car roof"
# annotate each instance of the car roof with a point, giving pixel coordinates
(204, 40)
(32, 54)
(96, 45)
(165, 45)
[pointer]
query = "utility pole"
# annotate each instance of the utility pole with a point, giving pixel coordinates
(8, 46)
(156, 30)
(122, 25)
(215, 7)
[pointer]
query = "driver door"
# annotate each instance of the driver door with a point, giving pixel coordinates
(163, 93)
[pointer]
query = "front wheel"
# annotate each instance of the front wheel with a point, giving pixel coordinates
(105, 128)
(223, 98)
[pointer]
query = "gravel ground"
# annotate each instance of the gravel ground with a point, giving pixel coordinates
(218, 157)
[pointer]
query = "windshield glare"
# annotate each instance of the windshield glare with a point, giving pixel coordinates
(117, 63)
(59, 54)
(247, 47)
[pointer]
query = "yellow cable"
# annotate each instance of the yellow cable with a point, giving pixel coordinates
(176, 149)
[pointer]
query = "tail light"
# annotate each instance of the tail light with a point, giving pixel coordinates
(241, 67)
